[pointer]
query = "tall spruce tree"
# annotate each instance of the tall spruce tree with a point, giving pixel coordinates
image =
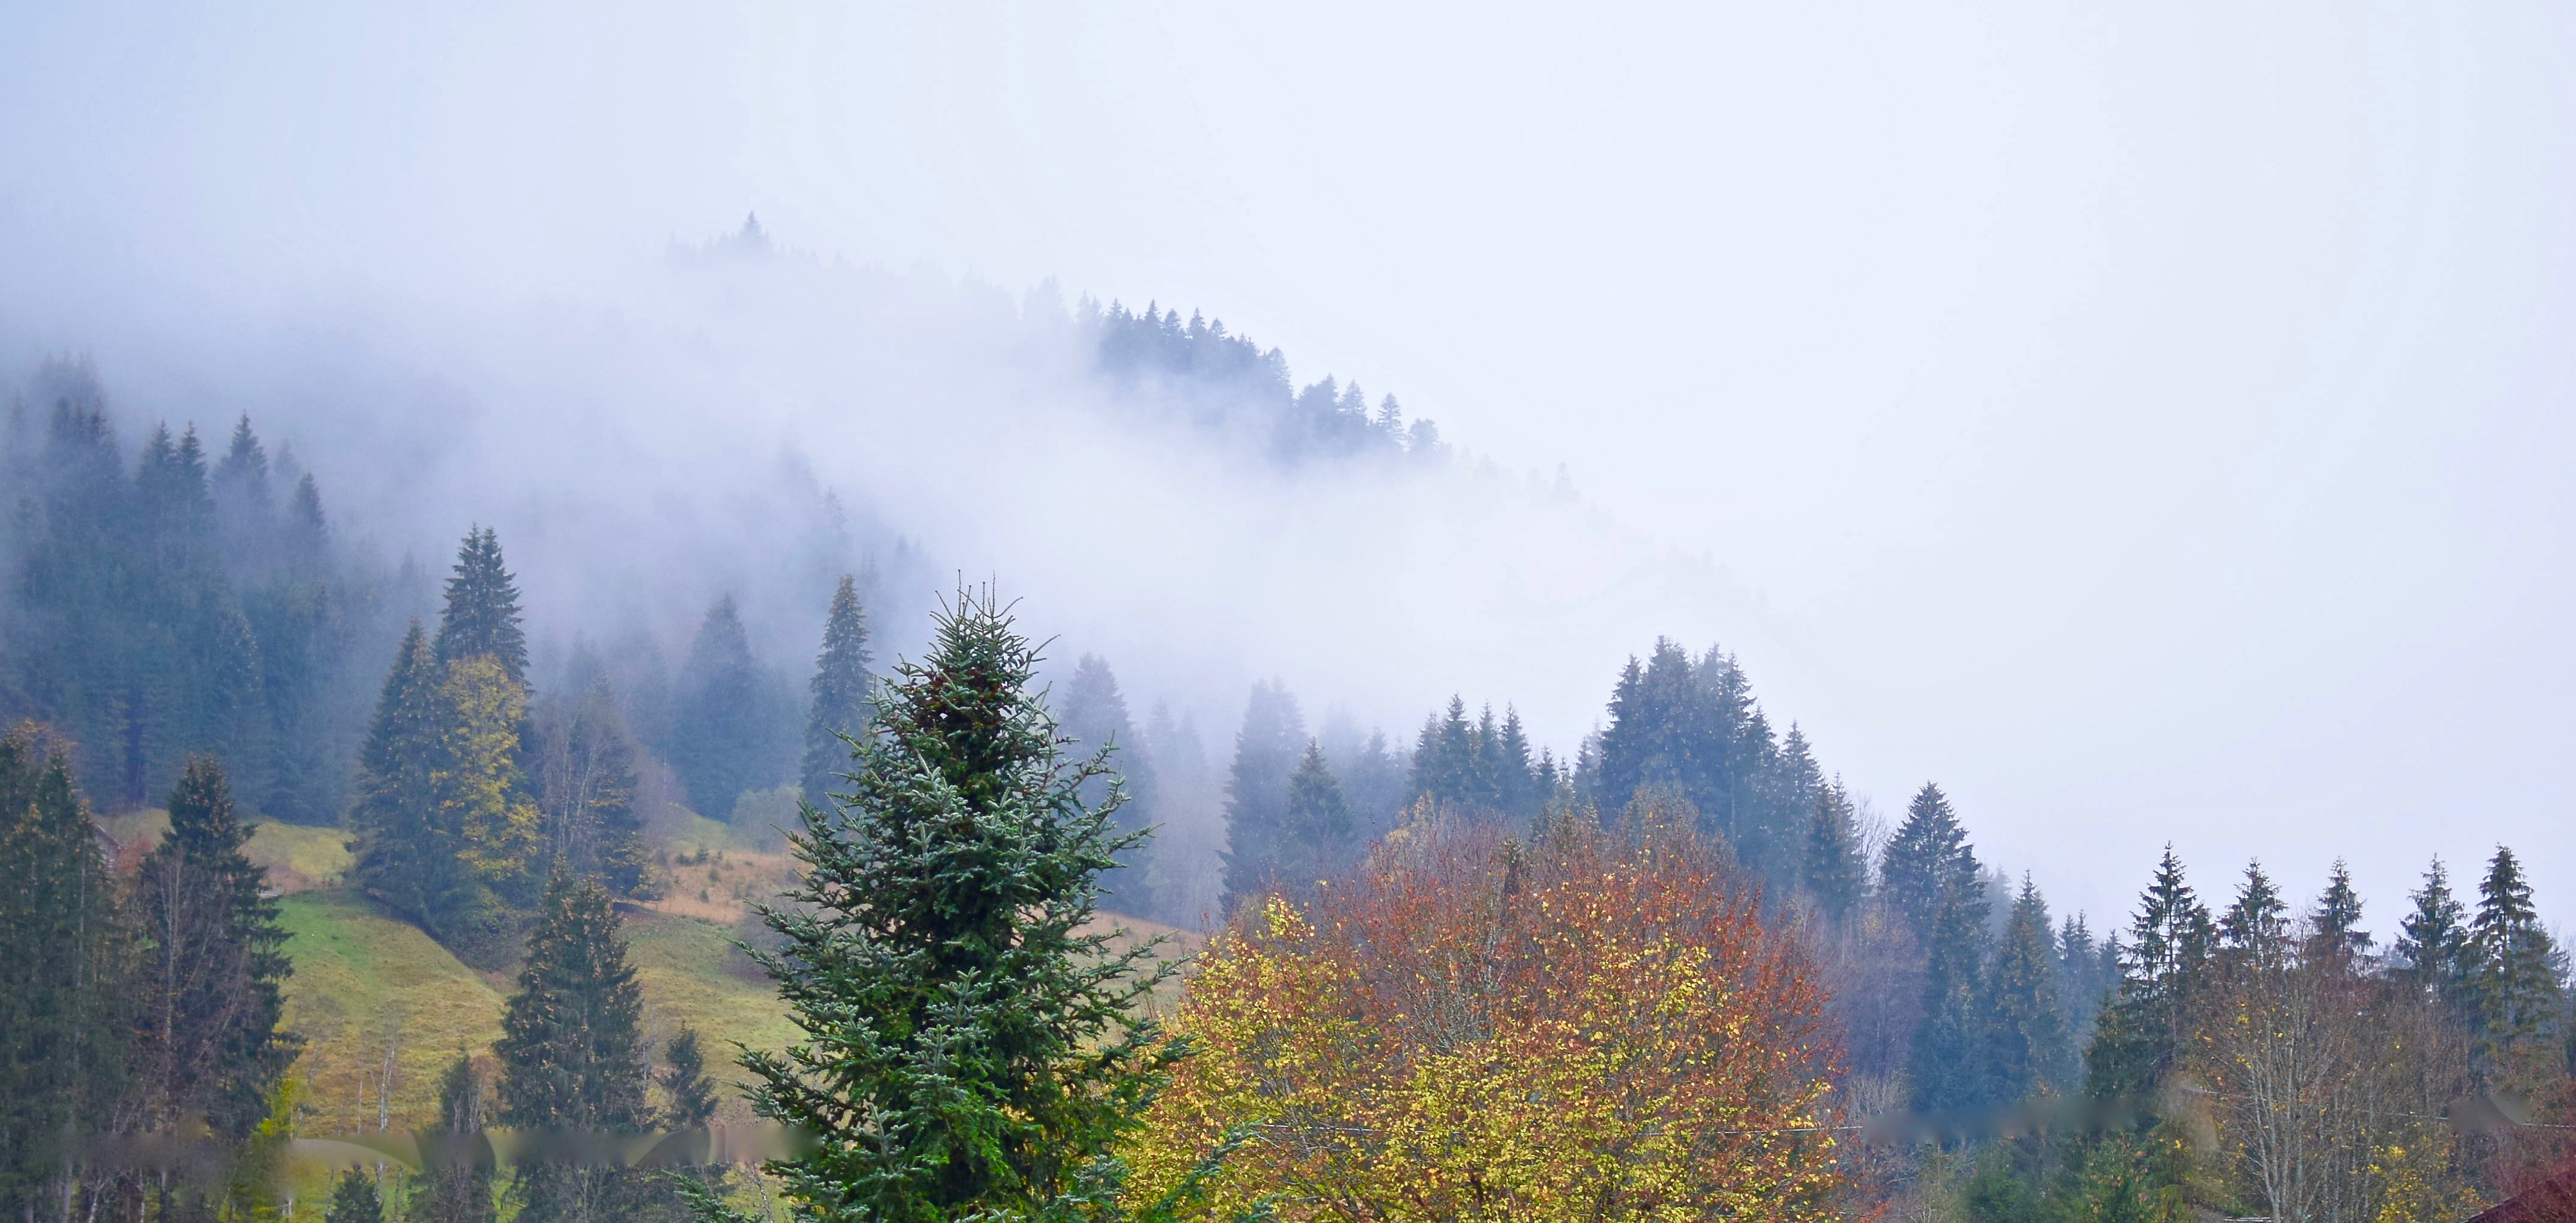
(2433, 941)
(209, 991)
(2139, 1035)
(572, 1056)
(455, 1181)
(1832, 870)
(1927, 858)
(2027, 1043)
(64, 988)
(726, 733)
(684, 1080)
(2335, 924)
(1093, 717)
(410, 851)
(965, 1051)
(1266, 752)
(1948, 1068)
(2513, 987)
(839, 702)
(482, 616)
(1317, 840)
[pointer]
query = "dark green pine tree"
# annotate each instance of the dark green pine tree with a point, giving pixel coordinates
(965, 1050)
(455, 1182)
(1948, 1068)
(1094, 718)
(1519, 792)
(354, 1200)
(2027, 1043)
(408, 856)
(1444, 758)
(840, 693)
(2138, 1036)
(2513, 988)
(2256, 926)
(2335, 926)
(684, 1080)
(209, 991)
(1928, 856)
(1318, 839)
(725, 735)
(1832, 870)
(2433, 942)
(572, 1056)
(64, 960)
(482, 616)
(1266, 752)
(2086, 971)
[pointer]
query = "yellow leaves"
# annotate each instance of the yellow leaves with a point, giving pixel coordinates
(475, 776)
(1621, 1041)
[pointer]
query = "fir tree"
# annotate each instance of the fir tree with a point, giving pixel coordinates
(964, 1048)
(1317, 839)
(2256, 926)
(2139, 1035)
(455, 1181)
(2433, 941)
(684, 1080)
(2028, 1047)
(839, 705)
(1928, 856)
(1947, 1068)
(354, 1200)
(410, 855)
(64, 950)
(209, 992)
(1833, 872)
(1094, 718)
(2335, 926)
(482, 617)
(2513, 989)
(572, 1054)
(1256, 807)
(724, 736)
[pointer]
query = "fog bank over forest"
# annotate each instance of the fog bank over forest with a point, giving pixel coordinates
(739, 418)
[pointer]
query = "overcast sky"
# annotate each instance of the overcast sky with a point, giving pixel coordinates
(2151, 422)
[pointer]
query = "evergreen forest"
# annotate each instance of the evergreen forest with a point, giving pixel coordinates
(340, 889)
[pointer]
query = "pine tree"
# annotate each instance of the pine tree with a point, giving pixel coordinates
(2513, 988)
(1948, 1068)
(840, 693)
(964, 1049)
(354, 1200)
(725, 735)
(64, 959)
(1317, 838)
(2335, 926)
(2028, 1047)
(1518, 791)
(1833, 872)
(410, 856)
(2139, 1035)
(2433, 941)
(2257, 925)
(1928, 856)
(209, 991)
(1094, 719)
(1256, 807)
(684, 1079)
(572, 1054)
(482, 617)
(455, 1181)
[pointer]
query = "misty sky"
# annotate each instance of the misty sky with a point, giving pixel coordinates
(2149, 423)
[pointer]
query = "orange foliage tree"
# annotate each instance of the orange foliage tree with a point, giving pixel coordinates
(1591, 1025)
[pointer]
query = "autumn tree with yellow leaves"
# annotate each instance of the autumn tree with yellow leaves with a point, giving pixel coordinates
(1592, 1024)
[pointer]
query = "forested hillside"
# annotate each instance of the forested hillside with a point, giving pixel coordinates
(1678, 969)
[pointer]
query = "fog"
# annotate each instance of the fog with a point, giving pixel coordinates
(2153, 426)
